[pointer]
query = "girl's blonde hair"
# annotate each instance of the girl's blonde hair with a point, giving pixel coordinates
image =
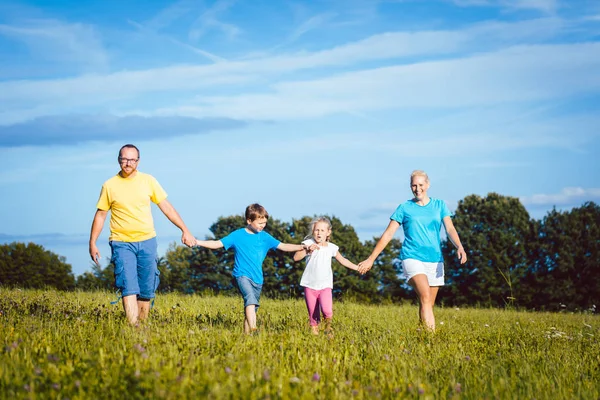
(418, 172)
(315, 221)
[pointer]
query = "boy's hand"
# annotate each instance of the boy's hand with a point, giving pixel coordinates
(311, 248)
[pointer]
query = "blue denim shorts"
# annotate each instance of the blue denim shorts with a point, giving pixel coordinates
(250, 291)
(136, 270)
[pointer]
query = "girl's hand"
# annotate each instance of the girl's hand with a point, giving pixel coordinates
(365, 266)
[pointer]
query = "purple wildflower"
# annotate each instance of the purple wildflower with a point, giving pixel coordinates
(266, 375)
(316, 377)
(458, 387)
(228, 370)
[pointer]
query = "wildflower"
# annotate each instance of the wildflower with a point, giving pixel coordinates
(456, 308)
(77, 383)
(407, 351)
(421, 391)
(386, 357)
(37, 371)
(56, 386)
(486, 325)
(266, 375)
(316, 377)
(441, 322)
(228, 370)
(348, 382)
(53, 358)
(137, 373)
(295, 379)
(355, 392)
(139, 348)
(458, 387)
(467, 358)
(27, 388)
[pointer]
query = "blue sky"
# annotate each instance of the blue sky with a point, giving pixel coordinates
(307, 107)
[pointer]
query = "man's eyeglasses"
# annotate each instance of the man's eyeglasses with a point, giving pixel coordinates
(128, 160)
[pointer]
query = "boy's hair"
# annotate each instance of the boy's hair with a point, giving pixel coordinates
(255, 211)
(315, 221)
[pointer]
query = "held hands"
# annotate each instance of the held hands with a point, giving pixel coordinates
(188, 239)
(365, 266)
(311, 248)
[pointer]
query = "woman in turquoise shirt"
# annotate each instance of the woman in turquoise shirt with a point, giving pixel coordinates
(421, 218)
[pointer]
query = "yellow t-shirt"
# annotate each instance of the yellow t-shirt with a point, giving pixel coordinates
(128, 200)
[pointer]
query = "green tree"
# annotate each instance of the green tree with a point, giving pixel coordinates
(565, 266)
(31, 266)
(98, 278)
(494, 231)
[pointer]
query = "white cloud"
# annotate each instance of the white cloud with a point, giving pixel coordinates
(543, 6)
(567, 197)
(60, 94)
(52, 40)
(519, 74)
(209, 20)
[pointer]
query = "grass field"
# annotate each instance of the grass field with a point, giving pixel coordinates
(78, 346)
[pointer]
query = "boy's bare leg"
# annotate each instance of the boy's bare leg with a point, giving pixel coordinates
(250, 320)
(130, 305)
(143, 309)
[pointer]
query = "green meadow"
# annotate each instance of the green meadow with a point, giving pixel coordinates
(77, 345)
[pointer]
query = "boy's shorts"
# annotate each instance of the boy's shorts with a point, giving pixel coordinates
(136, 269)
(250, 291)
(433, 270)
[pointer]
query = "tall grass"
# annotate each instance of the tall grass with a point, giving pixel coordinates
(78, 346)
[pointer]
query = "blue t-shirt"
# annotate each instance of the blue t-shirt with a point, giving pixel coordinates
(250, 252)
(421, 226)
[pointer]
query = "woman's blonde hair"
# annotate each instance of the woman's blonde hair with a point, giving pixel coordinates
(315, 221)
(418, 172)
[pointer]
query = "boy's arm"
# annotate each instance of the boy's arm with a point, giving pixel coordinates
(299, 255)
(292, 247)
(345, 262)
(209, 244)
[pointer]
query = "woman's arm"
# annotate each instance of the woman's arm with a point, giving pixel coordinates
(383, 241)
(453, 236)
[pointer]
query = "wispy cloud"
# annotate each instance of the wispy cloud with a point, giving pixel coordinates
(568, 196)
(518, 74)
(210, 20)
(25, 96)
(74, 129)
(52, 40)
(543, 6)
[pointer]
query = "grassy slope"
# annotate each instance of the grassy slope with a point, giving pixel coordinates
(77, 345)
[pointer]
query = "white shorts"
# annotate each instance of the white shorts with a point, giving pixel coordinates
(433, 270)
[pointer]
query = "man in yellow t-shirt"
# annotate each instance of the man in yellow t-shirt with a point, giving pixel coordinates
(132, 236)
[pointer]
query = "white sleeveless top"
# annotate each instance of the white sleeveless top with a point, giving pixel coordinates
(318, 273)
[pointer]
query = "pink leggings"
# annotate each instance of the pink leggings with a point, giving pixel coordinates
(317, 301)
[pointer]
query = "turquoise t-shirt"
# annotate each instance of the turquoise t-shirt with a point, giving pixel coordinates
(421, 226)
(250, 252)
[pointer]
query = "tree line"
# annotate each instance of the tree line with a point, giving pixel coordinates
(514, 260)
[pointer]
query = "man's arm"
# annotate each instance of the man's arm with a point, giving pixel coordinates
(186, 237)
(97, 226)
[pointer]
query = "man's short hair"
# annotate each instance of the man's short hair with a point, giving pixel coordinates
(129, 146)
(255, 211)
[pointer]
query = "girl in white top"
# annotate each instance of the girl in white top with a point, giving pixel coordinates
(317, 278)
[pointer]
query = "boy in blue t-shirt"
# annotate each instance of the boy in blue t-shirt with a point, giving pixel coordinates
(251, 245)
